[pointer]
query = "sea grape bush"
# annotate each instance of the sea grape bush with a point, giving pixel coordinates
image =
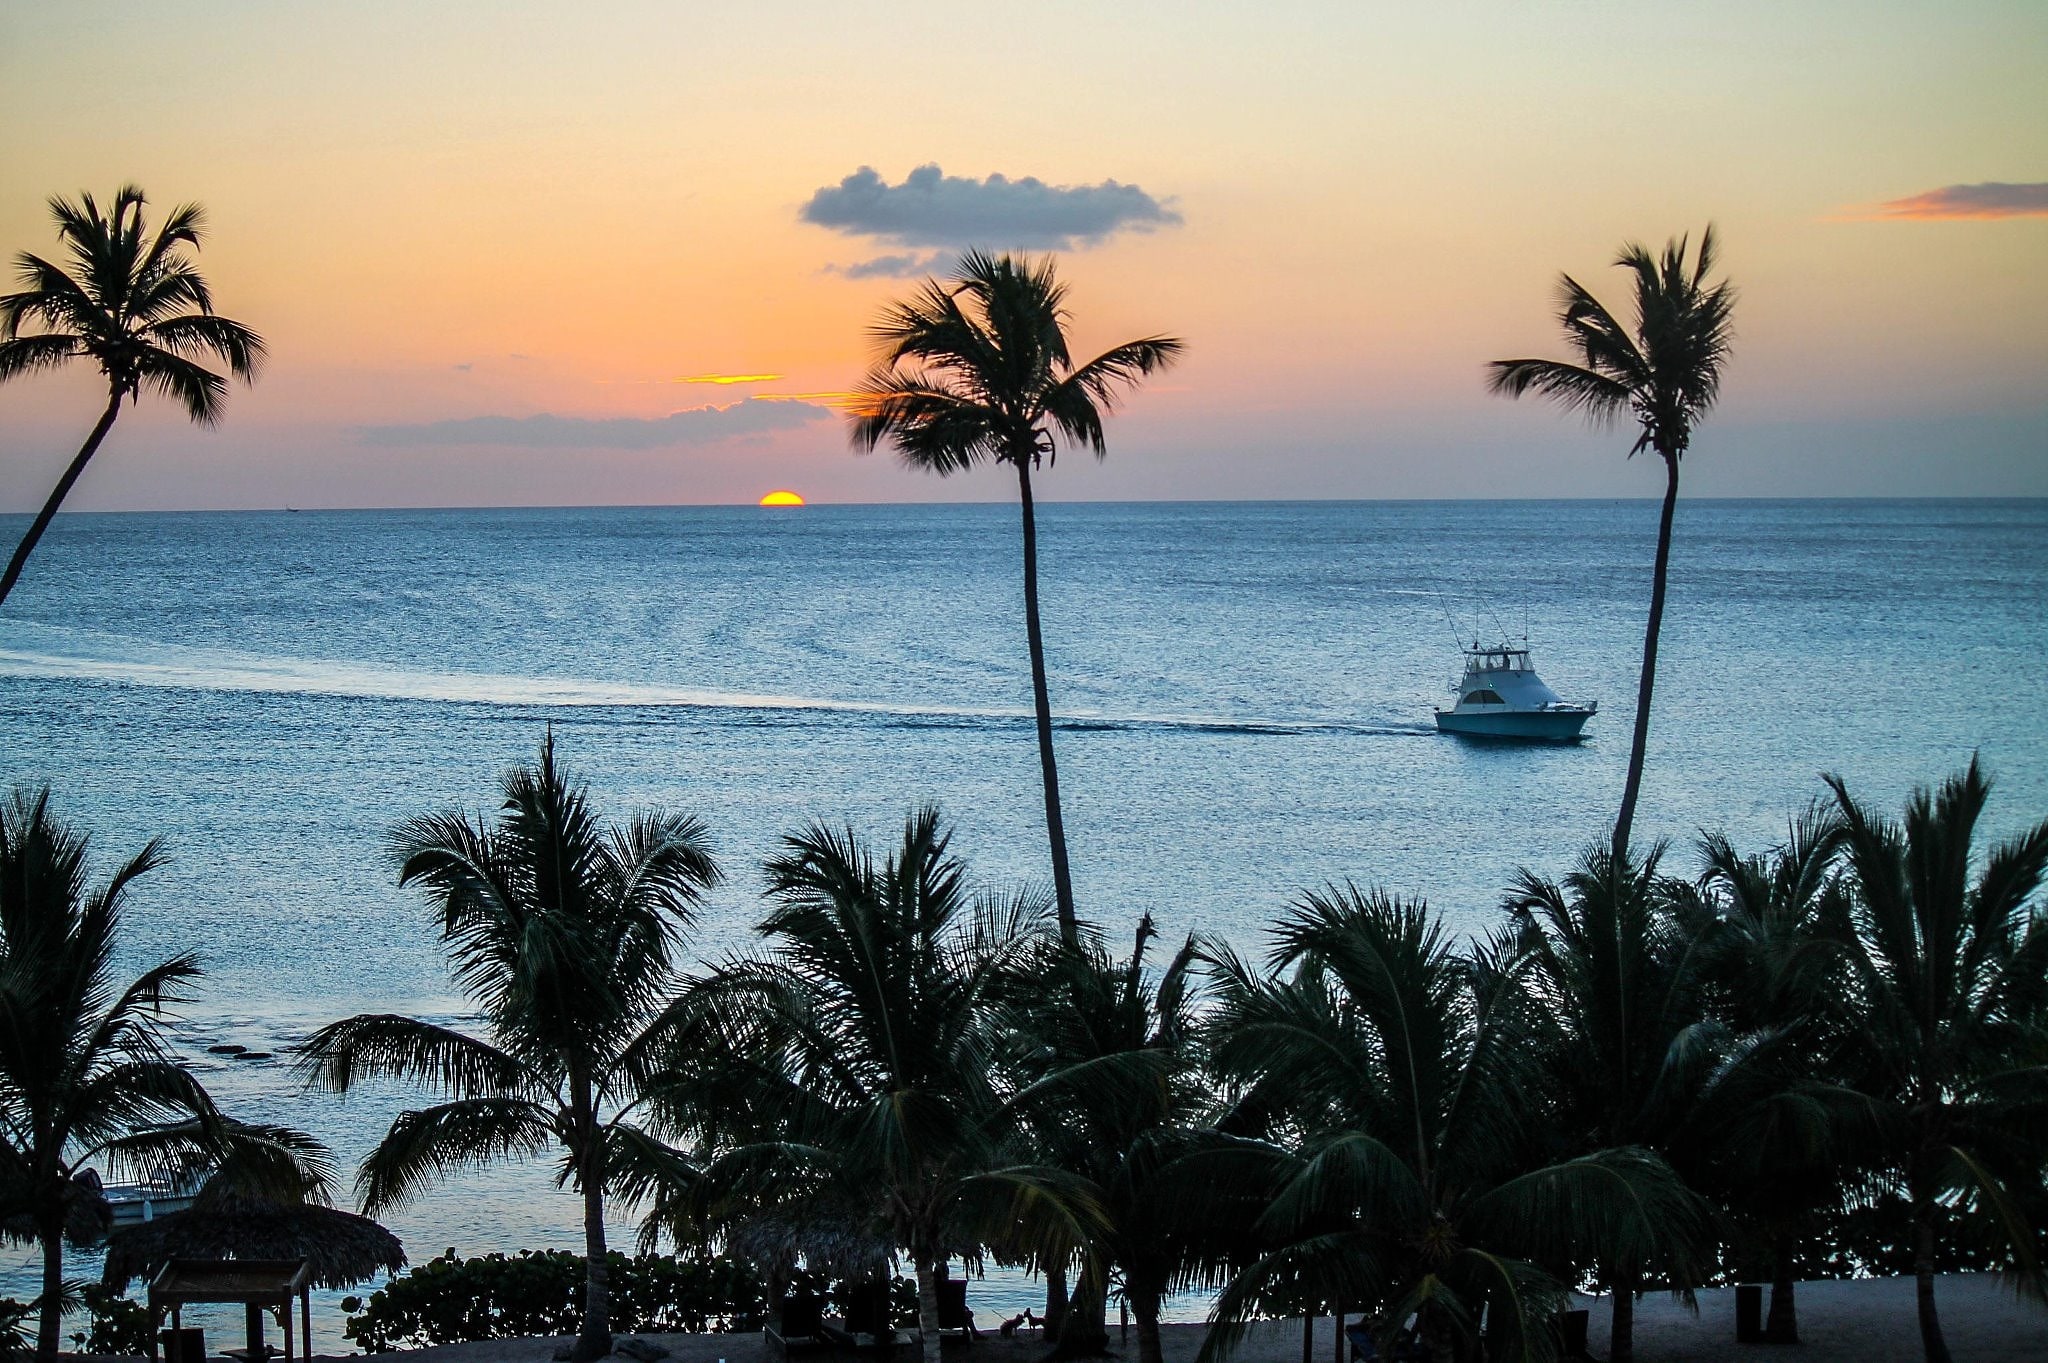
(497, 1296)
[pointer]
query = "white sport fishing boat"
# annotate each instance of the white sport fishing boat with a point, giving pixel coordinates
(1500, 696)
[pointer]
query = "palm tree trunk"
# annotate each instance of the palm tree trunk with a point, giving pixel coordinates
(595, 1339)
(927, 1267)
(1621, 1334)
(1055, 1297)
(50, 1307)
(1145, 1306)
(1055, 827)
(63, 489)
(1625, 820)
(1935, 1347)
(1084, 1331)
(1782, 1325)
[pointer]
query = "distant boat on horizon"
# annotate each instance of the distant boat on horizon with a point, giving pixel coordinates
(1500, 696)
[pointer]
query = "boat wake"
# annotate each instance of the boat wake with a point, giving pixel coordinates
(117, 660)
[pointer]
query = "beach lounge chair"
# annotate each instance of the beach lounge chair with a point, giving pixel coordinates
(868, 1325)
(955, 1320)
(799, 1323)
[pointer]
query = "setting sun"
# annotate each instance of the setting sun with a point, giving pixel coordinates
(783, 497)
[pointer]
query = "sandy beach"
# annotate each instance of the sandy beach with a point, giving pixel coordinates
(1867, 1321)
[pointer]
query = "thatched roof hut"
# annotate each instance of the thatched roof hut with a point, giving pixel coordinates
(344, 1249)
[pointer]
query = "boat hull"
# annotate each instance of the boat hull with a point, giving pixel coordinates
(1528, 726)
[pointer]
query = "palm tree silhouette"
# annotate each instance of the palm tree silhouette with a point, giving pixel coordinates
(1951, 1021)
(565, 932)
(86, 1074)
(852, 1076)
(1665, 372)
(1414, 1179)
(976, 369)
(136, 306)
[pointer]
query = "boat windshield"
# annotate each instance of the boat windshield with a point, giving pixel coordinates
(1496, 659)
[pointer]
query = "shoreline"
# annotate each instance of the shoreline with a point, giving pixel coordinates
(1846, 1320)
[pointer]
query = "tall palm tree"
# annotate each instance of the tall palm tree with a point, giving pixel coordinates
(86, 1074)
(976, 370)
(1620, 983)
(1665, 373)
(564, 931)
(1418, 1183)
(851, 1076)
(1951, 973)
(135, 305)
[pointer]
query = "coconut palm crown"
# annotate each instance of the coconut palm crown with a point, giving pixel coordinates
(565, 932)
(976, 369)
(1665, 372)
(132, 302)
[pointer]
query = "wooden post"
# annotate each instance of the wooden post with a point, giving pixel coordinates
(287, 1330)
(306, 1316)
(1308, 1338)
(1338, 1353)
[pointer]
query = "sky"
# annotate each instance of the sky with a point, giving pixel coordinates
(500, 252)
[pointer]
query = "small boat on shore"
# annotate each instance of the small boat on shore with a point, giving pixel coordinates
(1500, 696)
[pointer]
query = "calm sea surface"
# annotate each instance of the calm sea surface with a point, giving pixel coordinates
(1246, 691)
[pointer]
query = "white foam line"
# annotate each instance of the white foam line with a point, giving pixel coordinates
(197, 670)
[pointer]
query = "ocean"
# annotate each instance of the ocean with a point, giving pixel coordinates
(1244, 693)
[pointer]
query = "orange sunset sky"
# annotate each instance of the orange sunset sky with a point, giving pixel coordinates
(498, 250)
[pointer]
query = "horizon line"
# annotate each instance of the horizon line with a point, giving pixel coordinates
(812, 505)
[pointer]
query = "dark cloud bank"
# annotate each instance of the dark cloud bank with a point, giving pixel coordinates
(933, 209)
(698, 426)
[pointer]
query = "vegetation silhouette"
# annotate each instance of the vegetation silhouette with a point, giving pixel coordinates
(851, 1074)
(135, 305)
(1949, 963)
(1664, 371)
(976, 369)
(1411, 1172)
(86, 1073)
(565, 932)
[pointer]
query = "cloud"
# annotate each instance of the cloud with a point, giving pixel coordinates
(1990, 200)
(931, 208)
(697, 426)
(895, 267)
(729, 378)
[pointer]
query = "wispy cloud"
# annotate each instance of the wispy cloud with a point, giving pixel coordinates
(730, 378)
(895, 267)
(933, 209)
(1992, 199)
(696, 426)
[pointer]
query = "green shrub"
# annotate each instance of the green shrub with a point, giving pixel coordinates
(497, 1296)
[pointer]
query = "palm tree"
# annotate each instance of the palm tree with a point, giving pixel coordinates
(1951, 1020)
(1619, 980)
(1136, 1128)
(1665, 373)
(1418, 1183)
(85, 1071)
(564, 932)
(1774, 1126)
(850, 1077)
(136, 306)
(976, 369)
